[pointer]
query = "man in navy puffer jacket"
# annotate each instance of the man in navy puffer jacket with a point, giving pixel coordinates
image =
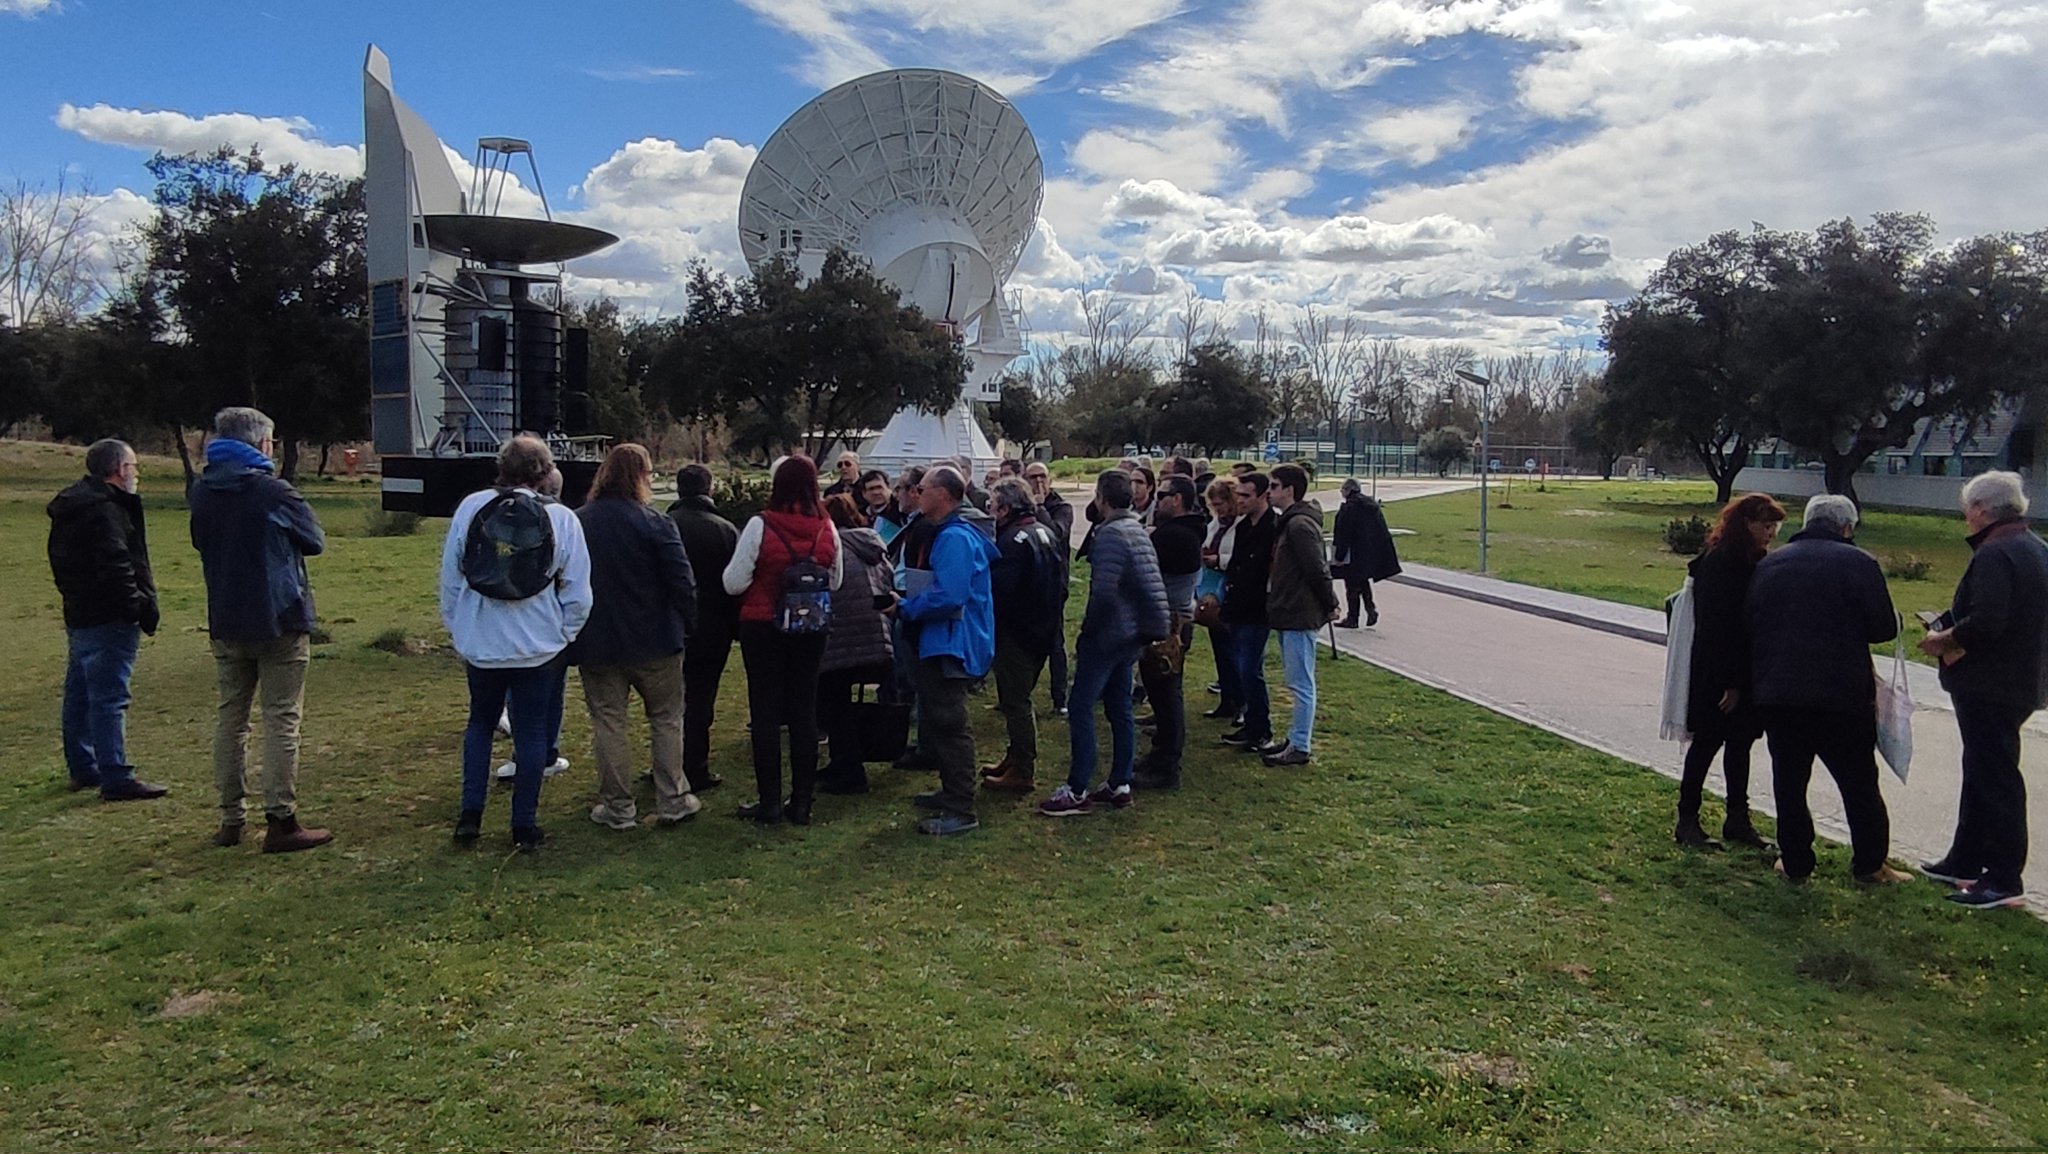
(1126, 611)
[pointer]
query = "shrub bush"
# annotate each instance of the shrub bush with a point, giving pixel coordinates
(1081, 468)
(1908, 568)
(377, 522)
(1687, 536)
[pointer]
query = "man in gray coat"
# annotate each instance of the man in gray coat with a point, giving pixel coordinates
(1994, 663)
(1815, 607)
(1126, 611)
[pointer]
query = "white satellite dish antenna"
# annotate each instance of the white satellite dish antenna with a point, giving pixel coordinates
(935, 179)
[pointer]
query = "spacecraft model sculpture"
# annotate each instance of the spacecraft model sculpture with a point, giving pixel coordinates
(936, 180)
(467, 341)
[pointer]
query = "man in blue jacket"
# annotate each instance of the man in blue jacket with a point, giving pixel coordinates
(953, 619)
(254, 533)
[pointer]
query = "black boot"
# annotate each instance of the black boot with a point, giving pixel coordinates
(1689, 834)
(1737, 830)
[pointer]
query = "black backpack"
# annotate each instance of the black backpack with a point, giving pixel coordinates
(509, 554)
(806, 603)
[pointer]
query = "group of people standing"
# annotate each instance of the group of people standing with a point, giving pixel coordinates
(1781, 651)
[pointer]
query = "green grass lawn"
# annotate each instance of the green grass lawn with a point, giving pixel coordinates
(1605, 539)
(1450, 932)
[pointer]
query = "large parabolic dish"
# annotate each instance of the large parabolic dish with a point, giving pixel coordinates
(936, 180)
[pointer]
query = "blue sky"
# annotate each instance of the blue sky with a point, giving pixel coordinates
(1488, 172)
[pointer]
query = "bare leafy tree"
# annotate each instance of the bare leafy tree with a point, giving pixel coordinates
(1329, 356)
(1193, 328)
(46, 269)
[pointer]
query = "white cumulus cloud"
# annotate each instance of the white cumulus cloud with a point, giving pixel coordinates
(283, 140)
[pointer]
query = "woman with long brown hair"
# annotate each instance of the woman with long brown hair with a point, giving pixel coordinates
(1719, 711)
(781, 640)
(646, 597)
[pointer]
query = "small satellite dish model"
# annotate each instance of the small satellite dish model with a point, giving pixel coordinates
(935, 179)
(467, 345)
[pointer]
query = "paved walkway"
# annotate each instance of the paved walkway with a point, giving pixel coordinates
(1586, 670)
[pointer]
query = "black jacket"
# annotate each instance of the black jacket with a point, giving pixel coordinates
(1251, 564)
(709, 541)
(1720, 641)
(1058, 514)
(254, 533)
(100, 557)
(1179, 541)
(1815, 607)
(2001, 616)
(643, 591)
(1360, 543)
(1028, 582)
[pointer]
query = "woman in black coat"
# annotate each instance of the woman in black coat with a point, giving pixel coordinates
(1363, 552)
(1719, 710)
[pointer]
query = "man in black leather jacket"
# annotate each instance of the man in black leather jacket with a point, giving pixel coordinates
(100, 559)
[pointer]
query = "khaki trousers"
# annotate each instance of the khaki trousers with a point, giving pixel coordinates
(607, 691)
(273, 674)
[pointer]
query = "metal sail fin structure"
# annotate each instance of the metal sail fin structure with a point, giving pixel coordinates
(467, 346)
(935, 179)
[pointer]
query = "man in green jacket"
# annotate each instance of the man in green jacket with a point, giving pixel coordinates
(1300, 599)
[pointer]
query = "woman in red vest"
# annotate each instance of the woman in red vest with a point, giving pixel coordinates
(784, 552)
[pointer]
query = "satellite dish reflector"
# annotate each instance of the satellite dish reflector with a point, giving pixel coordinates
(932, 176)
(512, 239)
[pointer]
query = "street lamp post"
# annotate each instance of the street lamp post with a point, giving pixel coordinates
(1485, 465)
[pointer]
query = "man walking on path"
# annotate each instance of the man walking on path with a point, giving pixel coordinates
(1300, 600)
(254, 533)
(1993, 650)
(1028, 583)
(952, 624)
(1815, 607)
(1363, 549)
(100, 559)
(1126, 610)
(1244, 609)
(709, 541)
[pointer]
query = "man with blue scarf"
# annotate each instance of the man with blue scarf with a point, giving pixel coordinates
(254, 533)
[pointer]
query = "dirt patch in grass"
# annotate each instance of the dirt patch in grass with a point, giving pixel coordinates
(194, 1004)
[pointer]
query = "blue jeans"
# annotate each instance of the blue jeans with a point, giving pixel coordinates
(1298, 662)
(102, 659)
(529, 693)
(1103, 676)
(1248, 648)
(1226, 669)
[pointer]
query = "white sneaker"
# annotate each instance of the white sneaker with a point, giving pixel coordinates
(688, 805)
(610, 818)
(510, 769)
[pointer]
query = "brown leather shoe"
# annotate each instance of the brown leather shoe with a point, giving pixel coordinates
(1011, 780)
(229, 834)
(999, 769)
(286, 835)
(1884, 875)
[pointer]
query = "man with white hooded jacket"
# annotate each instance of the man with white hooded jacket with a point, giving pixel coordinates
(508, 645)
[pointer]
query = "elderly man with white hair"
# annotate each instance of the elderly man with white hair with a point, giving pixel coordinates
(1815, 607)
(1993, 648)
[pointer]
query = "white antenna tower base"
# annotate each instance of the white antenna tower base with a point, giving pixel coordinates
(915, 437)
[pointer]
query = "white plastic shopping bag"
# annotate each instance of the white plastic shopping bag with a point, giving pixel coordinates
(1677, 663)
(1895, 714)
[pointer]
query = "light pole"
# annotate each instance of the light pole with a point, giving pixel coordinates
(1485, 466)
